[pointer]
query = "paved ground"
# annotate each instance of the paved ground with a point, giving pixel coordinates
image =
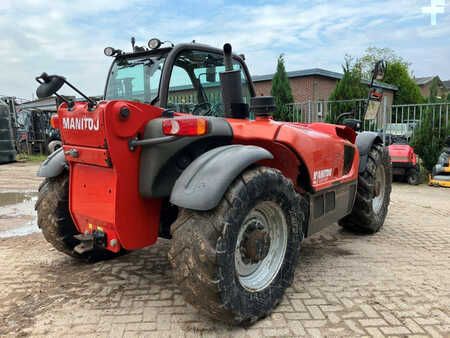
(394, 283)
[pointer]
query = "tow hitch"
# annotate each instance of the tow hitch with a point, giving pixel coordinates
(89, 241)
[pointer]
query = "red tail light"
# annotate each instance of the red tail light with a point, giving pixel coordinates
(54, 121)
(185, 127)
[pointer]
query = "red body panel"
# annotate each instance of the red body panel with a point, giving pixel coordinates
(317, 145)
(402, 153)
(104, 187)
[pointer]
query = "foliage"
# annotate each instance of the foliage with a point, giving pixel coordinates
(434, 90)
(374, 54)
(428, 141)
(281, 91)
(398, 74)
(348, 88)
(408, 91)
(22, 157)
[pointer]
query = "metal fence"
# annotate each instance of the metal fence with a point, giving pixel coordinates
(392, 121)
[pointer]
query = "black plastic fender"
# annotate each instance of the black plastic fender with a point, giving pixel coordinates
(364, 142)
(53, 165)
(202, 185)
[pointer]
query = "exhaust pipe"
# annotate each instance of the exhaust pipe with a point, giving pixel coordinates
(230, 82)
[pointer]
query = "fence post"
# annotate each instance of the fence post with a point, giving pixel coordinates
(309, 111)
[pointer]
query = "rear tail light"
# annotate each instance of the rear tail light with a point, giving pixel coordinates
(54, 121)
(185, 127)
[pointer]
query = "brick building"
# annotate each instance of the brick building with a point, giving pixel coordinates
(312, 85)
(425, 83)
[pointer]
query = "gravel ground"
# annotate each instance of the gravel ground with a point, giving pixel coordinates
(393, 283)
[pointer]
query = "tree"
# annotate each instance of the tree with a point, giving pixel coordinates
(374, 54)
(398, 74)
(429, 138)
(408, 91)
(348, 88)
(434, 91)
(281, 91)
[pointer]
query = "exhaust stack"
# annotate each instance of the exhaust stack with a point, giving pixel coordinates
(230, 82)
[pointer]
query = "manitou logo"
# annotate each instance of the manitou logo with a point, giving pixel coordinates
(85, 123)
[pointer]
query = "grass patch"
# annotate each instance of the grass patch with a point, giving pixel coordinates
(30, 158)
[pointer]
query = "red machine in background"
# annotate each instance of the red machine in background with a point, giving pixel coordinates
(405, 163)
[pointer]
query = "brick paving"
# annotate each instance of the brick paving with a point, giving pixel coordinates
(394, 283)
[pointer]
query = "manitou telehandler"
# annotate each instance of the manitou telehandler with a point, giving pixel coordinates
(172, 152)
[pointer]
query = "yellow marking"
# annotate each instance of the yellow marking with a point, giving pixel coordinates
(90, 226)
(100, 228)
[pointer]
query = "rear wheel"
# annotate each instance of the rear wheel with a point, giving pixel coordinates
(234, 263)
(413, 176)
(373, 195)
(56, 223)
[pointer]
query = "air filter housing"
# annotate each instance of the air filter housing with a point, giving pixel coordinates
(262, 105)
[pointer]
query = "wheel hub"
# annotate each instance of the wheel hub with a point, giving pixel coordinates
(261, 246)
(379, 189)
(256, 245)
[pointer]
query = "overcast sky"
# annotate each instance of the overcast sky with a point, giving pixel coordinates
(67, 37)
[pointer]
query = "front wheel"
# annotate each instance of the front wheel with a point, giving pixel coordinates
(56, 223)
(373, 194)
(234, 263)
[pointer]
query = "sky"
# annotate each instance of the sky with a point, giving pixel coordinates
(67, 37)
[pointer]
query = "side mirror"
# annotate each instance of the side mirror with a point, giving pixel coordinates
(211, 74)
(380, 70)
(49, 85)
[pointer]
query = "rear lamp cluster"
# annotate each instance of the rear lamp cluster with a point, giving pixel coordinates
(185, 127)
(54, 121)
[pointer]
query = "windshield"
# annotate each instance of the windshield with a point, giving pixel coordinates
(135, 79)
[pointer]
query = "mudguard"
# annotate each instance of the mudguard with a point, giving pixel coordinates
(364, 142)
(202, 184)
(53, 165)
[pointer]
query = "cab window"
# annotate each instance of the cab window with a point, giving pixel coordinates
(194, 85)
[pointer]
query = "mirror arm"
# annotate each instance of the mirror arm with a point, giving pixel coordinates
(91, 103)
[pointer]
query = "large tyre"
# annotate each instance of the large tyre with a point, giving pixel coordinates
(413, 176)
(234, 263)
(56, 223)
(373, 195)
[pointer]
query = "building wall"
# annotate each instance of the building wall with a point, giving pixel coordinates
(315, 88)
(425, 89)
(306, 88)
(310, 88)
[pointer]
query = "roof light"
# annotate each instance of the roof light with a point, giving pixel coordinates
(154, 43)
(185, 127)
(109, 51)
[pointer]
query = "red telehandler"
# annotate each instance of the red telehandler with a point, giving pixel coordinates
(172, 152)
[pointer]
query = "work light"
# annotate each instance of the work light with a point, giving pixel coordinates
(154, 43)
(109, 51)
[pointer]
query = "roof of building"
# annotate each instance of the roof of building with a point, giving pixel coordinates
(421, 81)
(319, 72)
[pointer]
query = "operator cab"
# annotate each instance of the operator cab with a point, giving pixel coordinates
(183, 78)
